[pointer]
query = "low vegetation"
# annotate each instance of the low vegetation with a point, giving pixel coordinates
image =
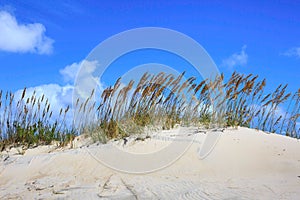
(29, 121)
(155, 102)
(162, 100)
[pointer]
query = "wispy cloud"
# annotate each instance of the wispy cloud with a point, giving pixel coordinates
(236, 59)
(23, 38)
(293, 52)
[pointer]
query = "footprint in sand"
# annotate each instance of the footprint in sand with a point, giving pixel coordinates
(116, 188)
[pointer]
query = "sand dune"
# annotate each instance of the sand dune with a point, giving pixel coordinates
(244, 164)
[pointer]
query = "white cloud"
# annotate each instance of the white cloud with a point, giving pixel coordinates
(82, 75)
(85, 80)
(236, 59)
(69, 73)
(61, 96)
(23, 38)
(58, 96)
(293, 52)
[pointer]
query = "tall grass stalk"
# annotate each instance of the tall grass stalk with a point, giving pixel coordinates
(157, 101)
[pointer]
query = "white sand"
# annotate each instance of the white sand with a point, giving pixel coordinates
(245, 164)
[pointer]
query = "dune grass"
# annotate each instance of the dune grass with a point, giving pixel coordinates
(29, 121)
(162, 100)
(155, 102)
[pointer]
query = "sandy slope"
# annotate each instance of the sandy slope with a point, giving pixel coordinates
(245, 164)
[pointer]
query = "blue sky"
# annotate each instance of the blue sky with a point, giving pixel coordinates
(259, 37)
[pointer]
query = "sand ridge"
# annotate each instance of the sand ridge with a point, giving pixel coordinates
(244, 164)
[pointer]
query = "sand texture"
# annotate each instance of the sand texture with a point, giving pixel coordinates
(244, 164)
